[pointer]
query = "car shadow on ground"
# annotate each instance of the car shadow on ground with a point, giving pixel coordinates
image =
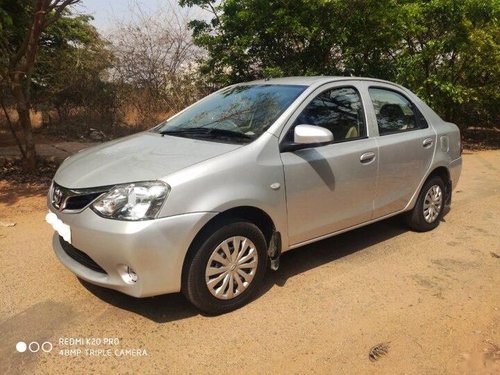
(311, 256)
(160, 309)
(172, 307)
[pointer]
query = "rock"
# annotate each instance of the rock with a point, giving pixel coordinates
(96, 135)
(7, 224)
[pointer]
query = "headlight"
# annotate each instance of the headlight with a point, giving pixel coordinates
(137, 201)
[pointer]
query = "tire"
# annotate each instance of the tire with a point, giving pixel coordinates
(429, 208)
(217, 284)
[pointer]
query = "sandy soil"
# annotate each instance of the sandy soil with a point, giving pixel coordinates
(433, 297)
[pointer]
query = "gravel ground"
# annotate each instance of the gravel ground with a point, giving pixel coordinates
(432, 298)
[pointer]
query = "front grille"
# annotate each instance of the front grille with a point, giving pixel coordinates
(74, 199)
(78, 202)
(80, 256)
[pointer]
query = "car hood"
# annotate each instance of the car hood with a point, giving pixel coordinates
(140, 157)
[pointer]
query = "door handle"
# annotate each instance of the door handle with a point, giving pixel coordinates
(427, 142)
(367, 157)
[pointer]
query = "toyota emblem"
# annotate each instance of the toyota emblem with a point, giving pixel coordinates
(57, 198)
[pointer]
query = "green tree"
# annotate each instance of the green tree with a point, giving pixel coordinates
(22, 24)
(445, 50)
(255, 38)
(71, 68)
(450, 56)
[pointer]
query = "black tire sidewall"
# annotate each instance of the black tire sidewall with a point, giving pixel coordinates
(416, 218)
(196, 289)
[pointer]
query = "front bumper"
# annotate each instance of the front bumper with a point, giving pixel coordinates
(154, 249)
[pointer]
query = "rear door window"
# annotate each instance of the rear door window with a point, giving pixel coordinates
(395, 113)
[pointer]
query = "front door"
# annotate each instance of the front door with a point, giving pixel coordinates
(331, 187)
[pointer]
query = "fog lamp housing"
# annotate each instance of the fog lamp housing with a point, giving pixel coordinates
(128, 274)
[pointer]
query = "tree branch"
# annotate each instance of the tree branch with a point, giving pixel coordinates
(40, 22)
(59, 7)
(40, 6)
(214, 12)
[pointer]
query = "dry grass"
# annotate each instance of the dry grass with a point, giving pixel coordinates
(36, 117)
(476, 139)
(133, 117)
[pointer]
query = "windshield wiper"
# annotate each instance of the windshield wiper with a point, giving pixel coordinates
(207, 133)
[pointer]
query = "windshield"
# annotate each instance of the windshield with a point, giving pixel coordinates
(238, 114)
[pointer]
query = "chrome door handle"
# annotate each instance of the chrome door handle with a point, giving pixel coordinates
(367, 157)
(427, 142)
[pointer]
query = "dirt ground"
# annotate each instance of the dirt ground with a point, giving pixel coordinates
(433, 298)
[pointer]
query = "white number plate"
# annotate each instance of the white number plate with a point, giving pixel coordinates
(64, 230)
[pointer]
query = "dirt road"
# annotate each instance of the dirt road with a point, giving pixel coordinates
(433, 297)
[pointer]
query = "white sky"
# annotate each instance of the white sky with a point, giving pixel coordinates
(107, 12)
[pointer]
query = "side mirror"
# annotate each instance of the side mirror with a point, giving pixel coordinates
(309, 134)
(305, 136)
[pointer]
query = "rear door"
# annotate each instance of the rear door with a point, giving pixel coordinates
(406, 146)
(331, 187)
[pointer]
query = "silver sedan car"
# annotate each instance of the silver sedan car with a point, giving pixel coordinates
(209, 199)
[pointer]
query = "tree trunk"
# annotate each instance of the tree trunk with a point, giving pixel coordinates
(29, 141)
(23, 111)
(12, 129)
(21, 60)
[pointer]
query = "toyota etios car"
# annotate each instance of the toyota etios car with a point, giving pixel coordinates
(207, 200)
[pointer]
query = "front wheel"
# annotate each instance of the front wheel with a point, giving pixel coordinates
(227, 268)
(429, 208)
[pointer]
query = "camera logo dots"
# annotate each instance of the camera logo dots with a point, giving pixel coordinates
(34, 347)
(21, 346)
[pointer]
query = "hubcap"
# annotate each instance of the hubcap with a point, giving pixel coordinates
(433, 203)
(231, 267)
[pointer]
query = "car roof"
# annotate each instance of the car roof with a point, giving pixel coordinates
(313, 80)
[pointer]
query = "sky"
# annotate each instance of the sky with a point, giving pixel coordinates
(107, 12)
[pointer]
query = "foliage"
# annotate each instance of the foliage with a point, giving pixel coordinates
(451, 57)
(23, 22)
(447, 51)
(146, 70)
(71, 70)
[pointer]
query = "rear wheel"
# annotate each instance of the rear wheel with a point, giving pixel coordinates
(429, 207)
(227, 268)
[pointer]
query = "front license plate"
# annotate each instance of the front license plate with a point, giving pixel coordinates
(64, 230)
